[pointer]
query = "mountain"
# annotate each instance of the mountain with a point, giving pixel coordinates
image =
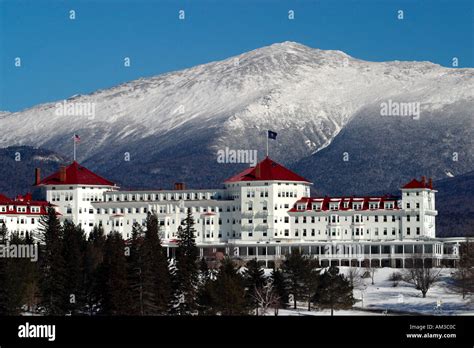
(322, 103)
(455, 205)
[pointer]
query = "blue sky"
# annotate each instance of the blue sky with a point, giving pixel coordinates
(62, 57)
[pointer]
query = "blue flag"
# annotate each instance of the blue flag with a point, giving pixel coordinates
(272, 135)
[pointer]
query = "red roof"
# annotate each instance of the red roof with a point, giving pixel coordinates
(23, 201)
(76, 175)
(326, 200)
(4, 199)
(422, 184)
(267, 170)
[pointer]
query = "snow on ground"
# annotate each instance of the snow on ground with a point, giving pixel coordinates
(383, 298)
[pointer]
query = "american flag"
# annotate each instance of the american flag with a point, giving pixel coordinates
(77, 138)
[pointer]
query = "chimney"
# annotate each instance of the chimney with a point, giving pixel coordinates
(62, 174)
(37, 176)
(430, 183)
(179, 186)
(423, 179)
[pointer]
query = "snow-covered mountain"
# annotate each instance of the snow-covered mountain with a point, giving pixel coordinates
(173, 124)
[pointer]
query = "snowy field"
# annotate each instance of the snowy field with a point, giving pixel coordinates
(383, 298)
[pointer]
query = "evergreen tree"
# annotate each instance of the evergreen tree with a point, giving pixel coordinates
(135, 269)
(3, 275)
(13, 285)
(186, 273)
(205, 301)
(334, 291)
(229, 291)
(93, 258)
(155, 271)
(53, 272)
(73, 253)
(279, 286)
(31, 278)
(114, 283)
(295, 269)
(204, 272)
(3, 233)
(254, 282)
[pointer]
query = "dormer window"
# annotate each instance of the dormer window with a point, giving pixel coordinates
(301, 207)
(334, 206)
(316, 206)
(388, 205)
(374, 205)
(357, 206)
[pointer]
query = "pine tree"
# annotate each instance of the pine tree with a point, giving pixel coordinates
(229, 291)
(254, 281)
(3, 233)
(295, 268)
(279, 286)
(93, 258)
(3, 275)
(30, 278)
(186, 273)
(53, 272)
(205, 301)
(13, 287)
(334, 291)
(114, 283)
(155, 273)
(73, 253)
(135, 269)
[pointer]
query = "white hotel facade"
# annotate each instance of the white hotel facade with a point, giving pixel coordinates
(264, 212)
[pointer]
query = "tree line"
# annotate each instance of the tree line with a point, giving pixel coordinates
(107, 275)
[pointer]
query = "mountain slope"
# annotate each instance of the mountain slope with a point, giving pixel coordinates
(172, 125)
(455, 205)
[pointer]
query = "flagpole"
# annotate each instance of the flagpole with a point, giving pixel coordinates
(267, 143)
(74, 140)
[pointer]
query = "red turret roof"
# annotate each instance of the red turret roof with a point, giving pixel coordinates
(267, 170)
(422, 184)
(76, 175)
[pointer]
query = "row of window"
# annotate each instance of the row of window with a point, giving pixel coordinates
(21, 221)
(19, 209)
(354, 218)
